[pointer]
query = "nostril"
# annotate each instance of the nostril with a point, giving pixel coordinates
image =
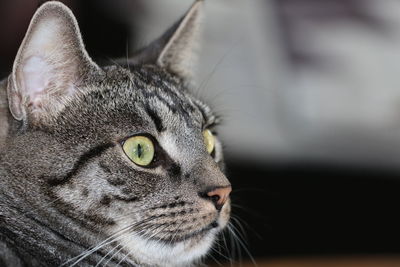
(214, 224)
(215, 199)
(217, 195)
(218, 206)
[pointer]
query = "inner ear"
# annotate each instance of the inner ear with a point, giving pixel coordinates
(49, 62)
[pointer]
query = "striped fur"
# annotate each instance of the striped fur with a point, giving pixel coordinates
(68, 194)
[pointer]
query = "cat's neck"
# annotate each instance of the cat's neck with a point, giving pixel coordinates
(4, 112)
(30, 228)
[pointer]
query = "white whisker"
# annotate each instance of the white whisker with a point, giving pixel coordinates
(243, 245)
(103, 243)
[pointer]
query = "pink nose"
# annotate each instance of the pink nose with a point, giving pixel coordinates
(219, 196)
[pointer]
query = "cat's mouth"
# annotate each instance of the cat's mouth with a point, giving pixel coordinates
(197, 234)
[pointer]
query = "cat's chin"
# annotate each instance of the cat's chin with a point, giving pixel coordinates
(182, 250)
(160, 253)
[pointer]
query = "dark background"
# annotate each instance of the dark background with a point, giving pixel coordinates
(287, 208)
(305, 209)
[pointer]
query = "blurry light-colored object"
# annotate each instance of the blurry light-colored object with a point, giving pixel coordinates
(342, 108)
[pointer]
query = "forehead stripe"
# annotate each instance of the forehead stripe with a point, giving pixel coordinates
(155, 118)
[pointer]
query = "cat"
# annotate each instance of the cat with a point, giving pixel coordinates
(107, 165)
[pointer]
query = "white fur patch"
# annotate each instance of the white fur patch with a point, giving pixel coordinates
(156, 253)
(168, 143)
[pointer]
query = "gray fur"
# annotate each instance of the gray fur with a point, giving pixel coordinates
(67, 186)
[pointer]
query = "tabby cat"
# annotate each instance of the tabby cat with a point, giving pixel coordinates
(114, 165)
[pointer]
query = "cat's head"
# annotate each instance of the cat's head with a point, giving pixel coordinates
(121, 150)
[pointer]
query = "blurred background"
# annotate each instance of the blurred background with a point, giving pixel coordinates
(309, 92)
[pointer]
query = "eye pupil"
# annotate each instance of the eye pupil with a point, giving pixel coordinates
(139, 150)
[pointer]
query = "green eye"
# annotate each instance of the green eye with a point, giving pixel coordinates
(139, 149)
(209, 140)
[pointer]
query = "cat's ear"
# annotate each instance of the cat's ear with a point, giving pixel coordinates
(175, 49)
(49, 63)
